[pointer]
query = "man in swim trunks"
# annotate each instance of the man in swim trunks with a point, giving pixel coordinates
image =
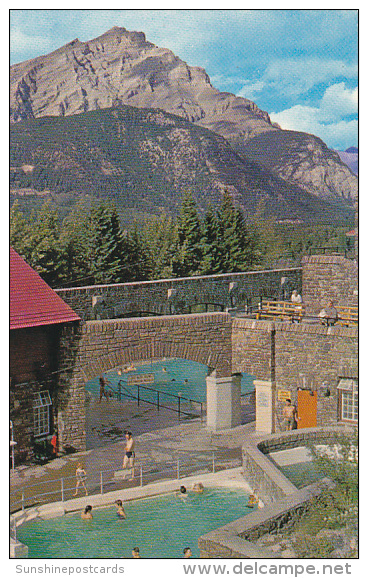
(289, 415)
(128, 461)
(253, 499)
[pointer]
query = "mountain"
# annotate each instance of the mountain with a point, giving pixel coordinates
(121, 67)
(146, 160)
(351, 158)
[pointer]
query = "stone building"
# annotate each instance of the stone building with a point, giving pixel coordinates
(37, 316)
(315, 365)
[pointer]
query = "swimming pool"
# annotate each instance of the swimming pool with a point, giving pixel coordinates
(161, 527)
(174, 376)
(297, 465)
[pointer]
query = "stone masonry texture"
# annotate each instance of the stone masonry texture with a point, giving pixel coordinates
(102, 345)
(152, 297)
(328, 277)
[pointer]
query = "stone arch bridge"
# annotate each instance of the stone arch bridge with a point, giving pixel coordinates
(98, 346)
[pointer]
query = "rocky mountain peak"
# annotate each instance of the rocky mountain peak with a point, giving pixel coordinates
(122, 67)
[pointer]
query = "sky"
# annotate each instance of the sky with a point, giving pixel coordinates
(301, 66)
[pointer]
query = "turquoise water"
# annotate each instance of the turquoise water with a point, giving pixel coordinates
(302, 474)
(161, 527)
(172, 376)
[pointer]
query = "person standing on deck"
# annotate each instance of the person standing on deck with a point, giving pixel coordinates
(289, 414)
(81, 477)
(128, 461)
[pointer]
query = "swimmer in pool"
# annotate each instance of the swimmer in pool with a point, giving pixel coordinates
(120, 512)
(87, 513)
(198, 487)
(136, 553)
(183, 493)
(128, 461)
(187, 553)
(253, 499)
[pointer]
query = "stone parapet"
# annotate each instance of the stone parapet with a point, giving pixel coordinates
(235, 540)
(173, 296)
(264, 475)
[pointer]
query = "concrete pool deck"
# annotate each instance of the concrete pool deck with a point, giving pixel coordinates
(226, 479)
(183, 441)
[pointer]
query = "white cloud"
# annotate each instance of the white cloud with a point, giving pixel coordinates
(327, 121)
(296, 76)
(21, 42)
(338, 102)
(252, 89)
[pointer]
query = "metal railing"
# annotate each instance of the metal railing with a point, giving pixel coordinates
(347, 252)
(102, 481)
(161, 400)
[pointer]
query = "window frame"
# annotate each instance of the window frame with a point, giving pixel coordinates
(41, 413)
(345, 389)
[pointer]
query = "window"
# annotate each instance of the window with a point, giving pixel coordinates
(348, 396)
(41, 413)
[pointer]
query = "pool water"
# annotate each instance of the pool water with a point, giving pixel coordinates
(302, 474)
(174, 376)
(297, 465)
(161, 527)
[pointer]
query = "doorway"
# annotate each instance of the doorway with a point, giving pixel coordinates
(307, 408)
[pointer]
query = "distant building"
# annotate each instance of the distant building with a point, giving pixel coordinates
(37, 316)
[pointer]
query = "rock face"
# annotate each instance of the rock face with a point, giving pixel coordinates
(305, 160)
(122, 67)
(147, 160)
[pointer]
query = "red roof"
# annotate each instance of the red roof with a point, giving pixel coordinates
(32, 301)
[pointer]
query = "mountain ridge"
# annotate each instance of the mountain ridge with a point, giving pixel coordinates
(147, 159)
(122, 67)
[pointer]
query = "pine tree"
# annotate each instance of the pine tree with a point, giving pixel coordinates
(237, 244)
(106, 246)
(136, 265)
(37, 239)
(189, 252)
(211, 245)
(159, 237)
(19, 230)
(74, 241)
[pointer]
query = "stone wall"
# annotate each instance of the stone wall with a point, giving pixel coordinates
(284, 351)
(98, 346)
(235, 540)
(33, 358)
(175, 296)
(328, 277)
(277, 351)
(264, 475)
